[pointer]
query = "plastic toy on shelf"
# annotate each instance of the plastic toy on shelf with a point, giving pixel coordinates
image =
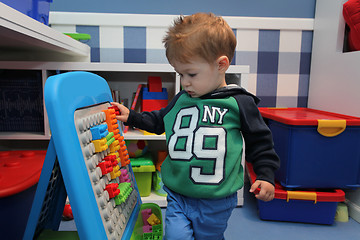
(154, 97)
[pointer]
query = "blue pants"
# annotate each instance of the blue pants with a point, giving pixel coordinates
(201, 219)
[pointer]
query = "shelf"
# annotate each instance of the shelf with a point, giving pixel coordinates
(125, 76)
(23, 38)
(87, 66)
(154, 198)
(137, 135)
(161, 201)
(23, 136)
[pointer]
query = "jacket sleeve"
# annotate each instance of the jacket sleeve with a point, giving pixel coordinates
(151, 121)
(148, 121)
(259, 146)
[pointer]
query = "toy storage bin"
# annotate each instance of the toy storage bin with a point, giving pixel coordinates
(36, 9)
(143, 167)
(299, 206)
(317, 149)
(19, 175)
(138, 229)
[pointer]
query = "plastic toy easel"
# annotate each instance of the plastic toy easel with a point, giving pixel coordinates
(65, 171)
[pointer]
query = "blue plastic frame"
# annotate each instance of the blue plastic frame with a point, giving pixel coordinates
(64, 94)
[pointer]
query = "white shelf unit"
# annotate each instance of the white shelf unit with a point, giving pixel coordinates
(25, 39)
(126, 77)
(123, 76)
(334, 80)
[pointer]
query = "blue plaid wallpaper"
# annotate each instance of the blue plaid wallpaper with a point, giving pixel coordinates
(279, 60)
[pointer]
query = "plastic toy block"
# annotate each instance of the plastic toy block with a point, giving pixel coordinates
(117, 111)
(122, 144)
(147, 229)
(99, 131)
(106, 167)
(100, 145)
(67, 213)
(112, 189)
(145, 214)
(117, 156)
(162, 95)
(109, 136)
(111, 121)
(149, 105)
(161, 156)
(123, 153)
(124, 177)
(148, 236)
(114, 146)
(157, 230)
(110, 114)
(113, 127)
(110, 141)
(115, 173)
(111, 159)
(125, 190)
(153, 220)
(116, 132)
(154, 84)
(124, 158)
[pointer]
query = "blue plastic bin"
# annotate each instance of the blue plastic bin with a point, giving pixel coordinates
(317, 149)
(307, 206)
(37, 9)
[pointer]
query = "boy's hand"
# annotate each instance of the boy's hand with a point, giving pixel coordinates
(124, 112)
(267, 190)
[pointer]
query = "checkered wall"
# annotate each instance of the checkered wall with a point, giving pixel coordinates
(279, 60)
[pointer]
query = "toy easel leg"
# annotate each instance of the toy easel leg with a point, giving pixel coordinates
(49, 198)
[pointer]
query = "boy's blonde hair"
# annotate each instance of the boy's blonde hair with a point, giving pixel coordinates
(200, 35)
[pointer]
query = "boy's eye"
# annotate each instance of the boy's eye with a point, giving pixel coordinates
(192, 75)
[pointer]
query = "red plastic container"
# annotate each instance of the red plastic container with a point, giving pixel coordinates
(19, 174)
(317, 149)
(312, 206)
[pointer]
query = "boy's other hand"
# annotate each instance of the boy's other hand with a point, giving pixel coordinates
(124, 112)
(267, 190)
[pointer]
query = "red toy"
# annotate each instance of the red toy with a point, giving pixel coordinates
(154, 84)
(351, 12)
(154, 97)
(67, 213)
(19, 173)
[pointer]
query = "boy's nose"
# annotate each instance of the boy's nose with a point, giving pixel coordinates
(185, 82)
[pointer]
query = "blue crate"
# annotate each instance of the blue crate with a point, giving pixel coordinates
(36, 9)
(306, 206)
(310, 159)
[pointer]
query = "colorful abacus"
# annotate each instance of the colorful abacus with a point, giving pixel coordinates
(86, 160)
(107, 161)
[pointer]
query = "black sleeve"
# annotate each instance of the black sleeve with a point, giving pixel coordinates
(259, 146)
(151, 121)
(148, 121)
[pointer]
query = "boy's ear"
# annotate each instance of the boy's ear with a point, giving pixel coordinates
(223, 63)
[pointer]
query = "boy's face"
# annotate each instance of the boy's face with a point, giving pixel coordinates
(199, 77)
